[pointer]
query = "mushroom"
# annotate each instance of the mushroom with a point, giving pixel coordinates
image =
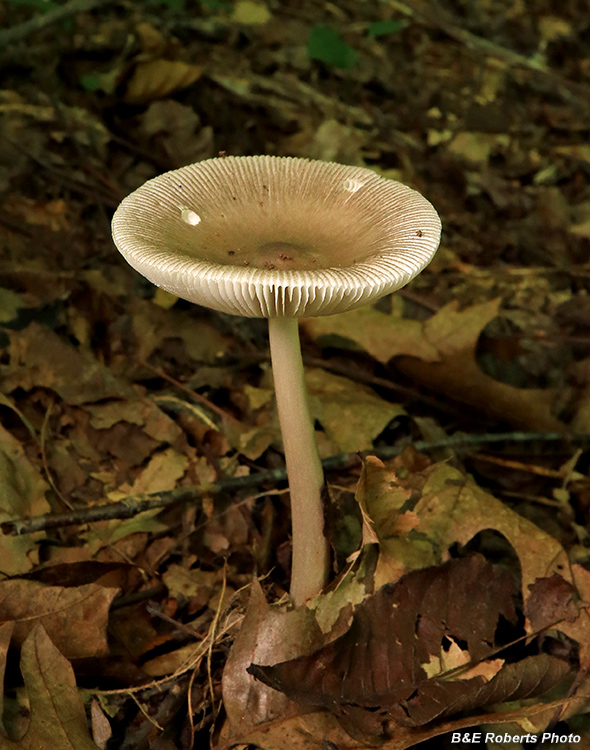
(280, 238)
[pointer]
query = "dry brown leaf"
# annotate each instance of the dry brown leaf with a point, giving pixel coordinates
(459, 377)
(551, 600)
(54, 215)
(176, 128)
(10, 304)
(453, 657)
(379, 659)
(58, 720)
(454, 509)
(154, 79)
(172, 661)
(161, 473)
(250, 13)
(383, 336)
(266, 635)
(101, 727)
(440, 353)
(190, 583)
(351, 414)
(579, 629)
(140, 411)
(373, 678)
(381, 496)
(476, 148)
(40, 358)
(152, 326)
(313, 731)
(531, 677)
(74, 618)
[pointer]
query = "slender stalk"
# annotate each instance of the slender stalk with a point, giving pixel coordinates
(309, 569)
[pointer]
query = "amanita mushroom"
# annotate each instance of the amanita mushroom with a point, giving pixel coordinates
(280, 238)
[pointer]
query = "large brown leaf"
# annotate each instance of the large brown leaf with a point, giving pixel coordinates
(377, 671)
(441, 353)
(437, 699)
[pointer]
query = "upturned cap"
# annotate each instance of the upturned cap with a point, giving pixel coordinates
(268, 236)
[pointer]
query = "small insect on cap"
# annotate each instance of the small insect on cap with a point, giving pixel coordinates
(268, 236)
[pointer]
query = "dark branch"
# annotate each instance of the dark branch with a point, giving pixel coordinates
(136, 504)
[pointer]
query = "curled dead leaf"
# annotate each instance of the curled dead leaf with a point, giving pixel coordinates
(154, 79)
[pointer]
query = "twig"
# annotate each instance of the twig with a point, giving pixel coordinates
(40, 21)
(136, 504)
(193, 394)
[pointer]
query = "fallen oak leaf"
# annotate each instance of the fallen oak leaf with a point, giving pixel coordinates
(382, 335)
(579, 630)
(441, 353)
(58, 720)
(381, 496)
(459, 377)
(458, 374)
(453, 509)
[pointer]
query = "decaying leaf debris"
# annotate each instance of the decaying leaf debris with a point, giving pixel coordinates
(386, 670)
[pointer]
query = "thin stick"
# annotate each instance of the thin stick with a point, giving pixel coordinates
(136, 504)
(193, 394)
(41, 20)
(309, 567)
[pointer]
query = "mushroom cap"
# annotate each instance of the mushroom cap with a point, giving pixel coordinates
(269, 236)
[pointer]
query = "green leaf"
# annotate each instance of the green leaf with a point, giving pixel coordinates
(90, 82)
(326, 45)
(380, 28)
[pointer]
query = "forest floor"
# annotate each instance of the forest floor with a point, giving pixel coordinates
(141, 484)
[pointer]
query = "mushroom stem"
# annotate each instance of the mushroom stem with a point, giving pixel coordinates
(309, 568)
